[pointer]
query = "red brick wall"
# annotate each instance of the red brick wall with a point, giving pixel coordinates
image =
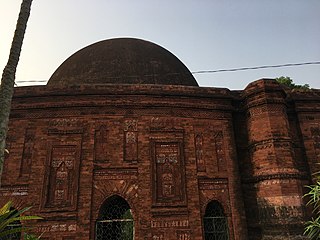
(274, 166)
(71, 149)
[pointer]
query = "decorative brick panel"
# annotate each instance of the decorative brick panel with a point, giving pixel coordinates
(62, 173)
(167, 151)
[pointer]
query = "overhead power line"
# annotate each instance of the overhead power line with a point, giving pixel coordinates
(216, 71)
(254, 68)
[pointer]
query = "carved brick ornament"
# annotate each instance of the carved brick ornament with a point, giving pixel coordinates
(61, 181)
(26, 160)
(130, 140)
(100, 144)
(169, 185)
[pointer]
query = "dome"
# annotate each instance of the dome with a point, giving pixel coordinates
(122, 61)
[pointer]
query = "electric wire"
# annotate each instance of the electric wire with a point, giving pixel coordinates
(254, 68)
(218, 70)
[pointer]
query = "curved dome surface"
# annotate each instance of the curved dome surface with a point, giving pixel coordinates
(122, 61)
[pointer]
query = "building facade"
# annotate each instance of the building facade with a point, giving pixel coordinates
(122, 143)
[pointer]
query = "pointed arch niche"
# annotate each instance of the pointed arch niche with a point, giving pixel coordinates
(215, 222)
(115, 220)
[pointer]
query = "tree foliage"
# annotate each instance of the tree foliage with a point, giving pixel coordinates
(312, 229)
(9, 218)
(287, 81)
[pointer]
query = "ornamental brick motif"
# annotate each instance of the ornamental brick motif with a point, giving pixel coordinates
(62, 173)
(170, 224)
(168, 175)
(68, 227)
(183, 235)
(168, 168)
(315, 133)
(101, 144)
(158, 123)
(219, 149)
(165, 153)
(130, 140)
(26, 160)
(201, 165)
(60, 177)
(159, 236)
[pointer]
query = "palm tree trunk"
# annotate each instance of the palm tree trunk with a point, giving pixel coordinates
(8, 76)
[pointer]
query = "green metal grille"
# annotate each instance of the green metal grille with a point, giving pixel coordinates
(115, 220)
(215, 222)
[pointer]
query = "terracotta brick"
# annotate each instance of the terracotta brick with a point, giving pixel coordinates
(251, 150)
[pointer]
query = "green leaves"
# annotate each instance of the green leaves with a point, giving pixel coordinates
(312, 229)
(9, 218)
(287, 81)
(314, 195)
(30, 237)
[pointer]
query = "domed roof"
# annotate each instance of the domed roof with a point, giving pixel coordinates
(122, 61)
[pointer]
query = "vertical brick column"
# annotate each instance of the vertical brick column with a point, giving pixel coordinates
(274, 181)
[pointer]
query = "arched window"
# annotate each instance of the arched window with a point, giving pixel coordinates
(215, 222)
(115, 220)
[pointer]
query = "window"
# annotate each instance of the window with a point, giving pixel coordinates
(115, 220)
(215, 222)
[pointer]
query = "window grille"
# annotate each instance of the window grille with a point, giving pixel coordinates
(215, 222)
(115, 220)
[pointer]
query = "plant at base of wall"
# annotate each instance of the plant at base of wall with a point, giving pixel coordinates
(312, 229)
(27, 236)
(10, 220)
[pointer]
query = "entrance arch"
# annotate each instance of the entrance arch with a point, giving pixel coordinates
(115, 220)
(215, 222)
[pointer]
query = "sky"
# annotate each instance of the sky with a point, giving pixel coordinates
(203, 34)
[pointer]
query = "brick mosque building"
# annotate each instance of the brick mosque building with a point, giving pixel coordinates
(122, 143)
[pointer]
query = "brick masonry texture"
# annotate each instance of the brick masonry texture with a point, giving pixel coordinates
(126, 118)
(71, 148)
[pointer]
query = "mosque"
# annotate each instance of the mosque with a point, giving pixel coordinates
(122, 143)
